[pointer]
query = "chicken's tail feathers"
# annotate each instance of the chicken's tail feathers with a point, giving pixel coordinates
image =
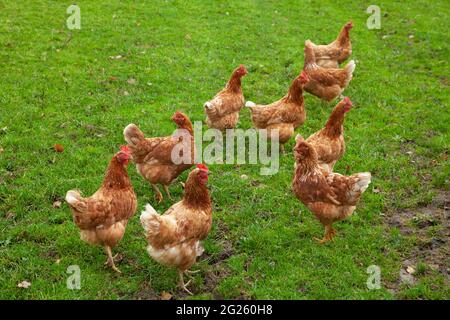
(75, 200)
(132, 134)
(150, 220)
(208, 105)
(364, 179)
(199, 249)
(309, 43)
(350, 67)
(250, 104)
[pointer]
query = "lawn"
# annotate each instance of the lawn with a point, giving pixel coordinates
(136, 62)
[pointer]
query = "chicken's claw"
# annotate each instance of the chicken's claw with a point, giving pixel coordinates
(184, 285)
(159, 198)
(329, 234)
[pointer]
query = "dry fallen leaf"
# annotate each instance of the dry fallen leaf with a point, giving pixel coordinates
(57, 204)
(410, 270)
(24, 284)
(165, 295)
(1, 150)
(131, 81)
(58, 261)
(126, 93)
(244, 177)
(116, 57)
(112, 78)
(58, 147)
(376, 190)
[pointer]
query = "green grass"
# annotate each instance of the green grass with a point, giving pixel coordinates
(56, 88)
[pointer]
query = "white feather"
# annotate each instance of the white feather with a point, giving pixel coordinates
(250, 104)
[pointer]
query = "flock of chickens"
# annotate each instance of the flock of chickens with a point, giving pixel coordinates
(174, 237)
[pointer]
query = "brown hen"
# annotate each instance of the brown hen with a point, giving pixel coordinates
(331, 197)
(284, 115)
(103, 217)
(161, 160)
(336, 52)
(325, 83)
(174, 237)
(222, 111)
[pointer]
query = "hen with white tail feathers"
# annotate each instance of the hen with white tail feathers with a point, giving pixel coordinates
(222, 111)
(326, 83)
(174, 237)
(330, 196)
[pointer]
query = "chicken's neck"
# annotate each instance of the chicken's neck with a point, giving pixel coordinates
(234, 84)
(196, 195)
(310, 58)
(116, 176)
(335, 124)
(343, 36)
(187, 126)
(295, 93)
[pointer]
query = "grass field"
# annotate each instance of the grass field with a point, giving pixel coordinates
(62, 86)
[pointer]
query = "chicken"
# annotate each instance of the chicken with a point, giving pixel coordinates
(330, 196)
(285, 114)
(102, 218)
(222, 112)
(154, 157)
(174, 237)
(326, 83)
(331, 55)
(329, 142)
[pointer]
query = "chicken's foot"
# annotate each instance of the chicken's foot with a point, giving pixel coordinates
(328, 236)
(184, 285)
(166, 189)
(114, 258)
(110, 260)
(158, 195)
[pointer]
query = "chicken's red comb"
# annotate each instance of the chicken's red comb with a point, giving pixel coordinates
(349, 24)
(201, 166)
(125, 149)
(347, 101)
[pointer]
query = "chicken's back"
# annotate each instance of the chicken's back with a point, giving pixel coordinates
(224, 103)
(174, 238)
(103, 208)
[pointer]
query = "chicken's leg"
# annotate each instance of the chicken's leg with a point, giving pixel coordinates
(110, 260)
(184, 285)
(166, 189)
(190, 273)
(329, 234)
(158, 195)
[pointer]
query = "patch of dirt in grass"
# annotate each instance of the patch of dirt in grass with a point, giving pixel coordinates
(217, 268)
(429, 227)
(146, 292)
